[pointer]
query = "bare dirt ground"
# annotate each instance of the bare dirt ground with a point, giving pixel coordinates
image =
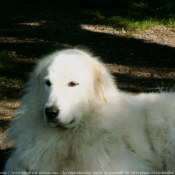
(141, 61)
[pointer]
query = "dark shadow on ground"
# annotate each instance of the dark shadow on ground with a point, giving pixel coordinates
(4, 154)
(49, 28)
(139, 84)
(4, 124)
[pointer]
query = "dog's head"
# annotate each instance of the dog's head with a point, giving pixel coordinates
(69, 85)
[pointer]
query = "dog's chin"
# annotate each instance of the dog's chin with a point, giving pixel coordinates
(66, 126)
(53, 124)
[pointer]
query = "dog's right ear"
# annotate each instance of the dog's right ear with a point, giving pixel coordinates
(33, 84)
(104, 82)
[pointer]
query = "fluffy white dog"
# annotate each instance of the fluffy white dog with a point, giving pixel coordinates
(73, 120)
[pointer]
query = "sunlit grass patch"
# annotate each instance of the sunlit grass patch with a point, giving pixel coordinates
(130, 24)
(168, 22)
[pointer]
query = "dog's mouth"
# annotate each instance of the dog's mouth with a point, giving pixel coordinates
(56, 122)
(53, 123)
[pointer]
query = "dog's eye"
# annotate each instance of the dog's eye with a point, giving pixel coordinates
(72, 84)
(48, 83)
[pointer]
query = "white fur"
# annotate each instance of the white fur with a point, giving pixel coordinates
(114, 132)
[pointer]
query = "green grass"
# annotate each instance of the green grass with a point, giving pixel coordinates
(130, 24)
(134, 14)
(11, 82)
(130, 21)
(124, 14)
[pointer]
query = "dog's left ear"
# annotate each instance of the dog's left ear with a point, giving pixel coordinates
(104, 82)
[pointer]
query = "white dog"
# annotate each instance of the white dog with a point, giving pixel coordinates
(73, 120)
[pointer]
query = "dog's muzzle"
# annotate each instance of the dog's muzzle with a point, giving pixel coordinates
(52, 114)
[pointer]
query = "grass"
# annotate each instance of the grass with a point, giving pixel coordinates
(126, 14)
(134, 14)
(11, 81)
(129, 21)
(130, 24)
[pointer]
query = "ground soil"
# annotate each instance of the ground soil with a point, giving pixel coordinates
(140, 60)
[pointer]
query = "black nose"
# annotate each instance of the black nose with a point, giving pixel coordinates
(51, 112)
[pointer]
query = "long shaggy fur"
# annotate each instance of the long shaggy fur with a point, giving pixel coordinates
(113, 132)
